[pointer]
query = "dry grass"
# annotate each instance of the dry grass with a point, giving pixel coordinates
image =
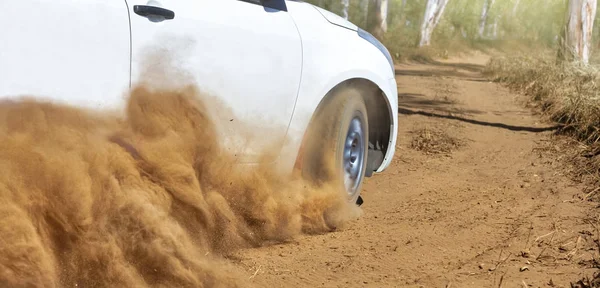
(434, 141)
(588, 282)
(567, 93)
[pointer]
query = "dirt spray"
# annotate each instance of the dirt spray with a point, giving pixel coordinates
(146, 199)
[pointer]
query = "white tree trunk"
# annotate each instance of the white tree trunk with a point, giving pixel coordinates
(487, 5)
(345, 4)
(433, 14)
(495, 29)
(515, 8)
(383, 11)
(378, 10)
(579, 28)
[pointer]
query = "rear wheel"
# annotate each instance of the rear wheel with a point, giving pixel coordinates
(337, 144)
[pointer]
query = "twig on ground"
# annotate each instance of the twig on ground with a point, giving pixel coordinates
(501, 280)
(502, 262)
(540, 255)
(528, 236)
(574, 251)
(543, 236)
(590, 194)
(255, 272)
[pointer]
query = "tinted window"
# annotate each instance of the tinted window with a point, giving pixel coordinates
(253, 1)
(274, 4)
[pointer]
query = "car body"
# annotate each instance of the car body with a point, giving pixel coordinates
(271, 62)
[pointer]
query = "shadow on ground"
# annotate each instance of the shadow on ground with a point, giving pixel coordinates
(477, 122)
(418, 101)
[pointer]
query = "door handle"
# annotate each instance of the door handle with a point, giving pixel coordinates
(148, 11)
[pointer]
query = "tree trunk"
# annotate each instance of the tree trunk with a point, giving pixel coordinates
(577, 33)
(515, 8)
(378, 18)
(487, 5)
(433, 14)
(495, 29)
(345, 4)
(383, 11)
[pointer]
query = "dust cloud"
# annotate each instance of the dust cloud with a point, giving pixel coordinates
(148, 199)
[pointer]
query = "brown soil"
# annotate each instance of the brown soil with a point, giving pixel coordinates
(495, 211)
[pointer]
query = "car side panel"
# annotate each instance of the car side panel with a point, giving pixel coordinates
(74, 52)
(245, 55)
(332, 55)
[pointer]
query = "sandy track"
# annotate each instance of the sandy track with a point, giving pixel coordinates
(494, 205)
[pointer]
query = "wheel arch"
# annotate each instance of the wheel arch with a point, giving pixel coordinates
(380, 118)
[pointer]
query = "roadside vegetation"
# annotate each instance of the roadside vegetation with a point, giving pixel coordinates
(458, 25)
(567, 93)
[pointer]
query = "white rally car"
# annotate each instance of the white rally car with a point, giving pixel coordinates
(283, 63)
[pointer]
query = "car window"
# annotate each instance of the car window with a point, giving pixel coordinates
(253, 1)
(273, 4)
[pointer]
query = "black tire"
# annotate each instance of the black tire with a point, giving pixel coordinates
(331, 129)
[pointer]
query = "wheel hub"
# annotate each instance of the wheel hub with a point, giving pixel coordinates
(354, 156)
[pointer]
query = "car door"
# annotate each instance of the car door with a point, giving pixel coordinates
(246, 55)
(75, 52)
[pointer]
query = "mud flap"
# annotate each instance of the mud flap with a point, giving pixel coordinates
(374, 159)
(359, 201)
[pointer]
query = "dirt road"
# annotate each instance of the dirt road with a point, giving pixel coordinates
(474, 198)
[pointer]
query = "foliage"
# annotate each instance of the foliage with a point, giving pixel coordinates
(567, 93)
(534, 23)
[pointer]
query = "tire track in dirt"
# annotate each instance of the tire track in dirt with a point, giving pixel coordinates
(473, 216)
